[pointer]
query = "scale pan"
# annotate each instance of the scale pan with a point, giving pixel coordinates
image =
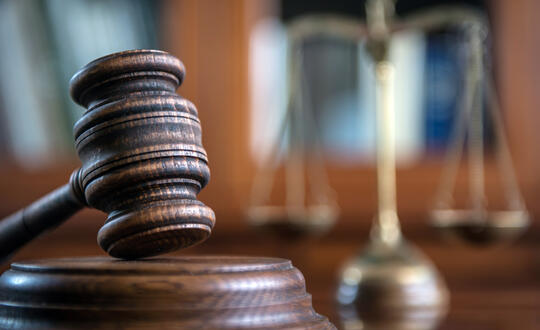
(487, 228)
(292, 222)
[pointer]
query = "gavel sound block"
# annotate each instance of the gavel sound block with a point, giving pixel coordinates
(143, 163)
(175, 293)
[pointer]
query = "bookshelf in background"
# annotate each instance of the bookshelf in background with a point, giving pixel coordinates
(42, 44)
(337, 88)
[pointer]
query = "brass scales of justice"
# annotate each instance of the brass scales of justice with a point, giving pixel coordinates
(391, 284)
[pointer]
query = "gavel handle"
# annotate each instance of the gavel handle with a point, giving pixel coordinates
(46, 213)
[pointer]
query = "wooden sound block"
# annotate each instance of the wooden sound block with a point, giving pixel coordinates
(193, 292)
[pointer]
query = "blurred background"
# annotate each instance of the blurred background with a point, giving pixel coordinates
(244, 76)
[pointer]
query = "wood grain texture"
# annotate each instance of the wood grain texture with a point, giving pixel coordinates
(142, 157)
(198, 292)
(44, 214)
(141, 148)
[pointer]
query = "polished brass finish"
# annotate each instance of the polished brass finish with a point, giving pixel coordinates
(391, 287)
(488, 228)
(390, 278)
(478, 225)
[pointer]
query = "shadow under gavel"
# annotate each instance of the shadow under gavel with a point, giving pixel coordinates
(142, 157)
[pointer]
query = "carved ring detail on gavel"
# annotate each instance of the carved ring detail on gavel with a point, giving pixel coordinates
(142, 157)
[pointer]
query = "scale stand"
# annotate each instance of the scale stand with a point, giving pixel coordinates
(390, 280)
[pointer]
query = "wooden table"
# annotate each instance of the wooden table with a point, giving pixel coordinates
(491, 289)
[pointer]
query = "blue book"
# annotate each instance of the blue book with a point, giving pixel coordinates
(443, 88)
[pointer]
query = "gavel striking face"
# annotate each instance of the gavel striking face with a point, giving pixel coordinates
(143, 162)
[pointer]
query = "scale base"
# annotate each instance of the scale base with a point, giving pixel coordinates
(391, 287)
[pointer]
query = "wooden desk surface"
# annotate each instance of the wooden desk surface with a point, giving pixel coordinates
(491, 289)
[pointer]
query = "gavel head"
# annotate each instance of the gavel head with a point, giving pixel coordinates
(142, 157)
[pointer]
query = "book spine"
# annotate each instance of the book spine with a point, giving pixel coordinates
(443, 82)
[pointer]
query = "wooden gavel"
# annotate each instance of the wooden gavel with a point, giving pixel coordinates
(142, 157)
